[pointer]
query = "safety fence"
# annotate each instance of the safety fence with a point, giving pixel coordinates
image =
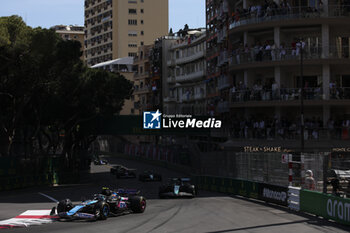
(319, 204)
(295, 198)
(326, 205)
(159, 153)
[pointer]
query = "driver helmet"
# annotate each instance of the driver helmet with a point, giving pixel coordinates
(106, 191)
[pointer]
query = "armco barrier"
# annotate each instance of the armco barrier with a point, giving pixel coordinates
(274, 194)
(325, 205)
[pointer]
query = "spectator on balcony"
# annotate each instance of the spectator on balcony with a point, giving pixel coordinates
(330, 127)
(294, 47)
(273, 52)
(345, 129)
(252, 10)
(283, 51)
(261, 129)
(259, 52)
(274, 88)
(267, 51)
(320, 7)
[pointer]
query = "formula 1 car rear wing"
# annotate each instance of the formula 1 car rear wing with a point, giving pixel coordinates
(128, 191)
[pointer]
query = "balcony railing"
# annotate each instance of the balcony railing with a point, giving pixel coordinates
(190, 58)
(339, 93)
(283, 94)
(259, 54)
(281, 14)
(199, 96)
(191, 76)
(277, 131)
(171, 79)
(142, 90)
(223, 107)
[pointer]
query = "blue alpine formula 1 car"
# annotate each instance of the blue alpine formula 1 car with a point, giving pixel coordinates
(103, 205)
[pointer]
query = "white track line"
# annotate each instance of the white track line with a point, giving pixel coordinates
(47, 196)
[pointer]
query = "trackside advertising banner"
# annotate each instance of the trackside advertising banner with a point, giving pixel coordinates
(325, 205)
(273, 194)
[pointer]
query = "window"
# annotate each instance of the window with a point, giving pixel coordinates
(132, 54)
(142, 11)
(141, 21)
(132, 45)
(142, 33)
(132, 33)
(132, 11)
(132, 1)
(132, 21)
(142, 43)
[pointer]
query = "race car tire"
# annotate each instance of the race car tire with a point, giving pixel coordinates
(64, 206)
(102, 211)
(137, 204)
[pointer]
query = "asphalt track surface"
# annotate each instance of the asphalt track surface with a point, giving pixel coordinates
(209, 212)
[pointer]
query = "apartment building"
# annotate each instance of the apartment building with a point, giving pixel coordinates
(263, 55)
(186, 74)
(116, 28)
(123, 66)
(142, 79)
(70, 32)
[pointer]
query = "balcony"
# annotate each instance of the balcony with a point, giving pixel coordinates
(258, 94)
(262, 57)
(339, 93)
(223, 82)
(293, 13)
(190, 77)
(187, 97)
(142, 90)
(171, 62)
(223, 106)
(190, 58)
(222, 34)
(223, 58)
(186, 42)
(170, 99)
(143, 75)
(199, 96)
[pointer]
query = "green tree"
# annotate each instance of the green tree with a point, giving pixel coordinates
(47, 94)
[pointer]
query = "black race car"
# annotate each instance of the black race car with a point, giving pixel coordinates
(150, 176)
(114, 169)
(102, 205)
(124, 172)
(178, 187)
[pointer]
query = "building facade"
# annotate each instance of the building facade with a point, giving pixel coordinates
(262, 54)
(123, 66)
(71, 33)
(116, 28)
(186, 86)
(142, 79)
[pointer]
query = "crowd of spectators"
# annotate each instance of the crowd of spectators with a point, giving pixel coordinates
(285, 128)
(269, 51)
(271, 91)
(270, 8)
